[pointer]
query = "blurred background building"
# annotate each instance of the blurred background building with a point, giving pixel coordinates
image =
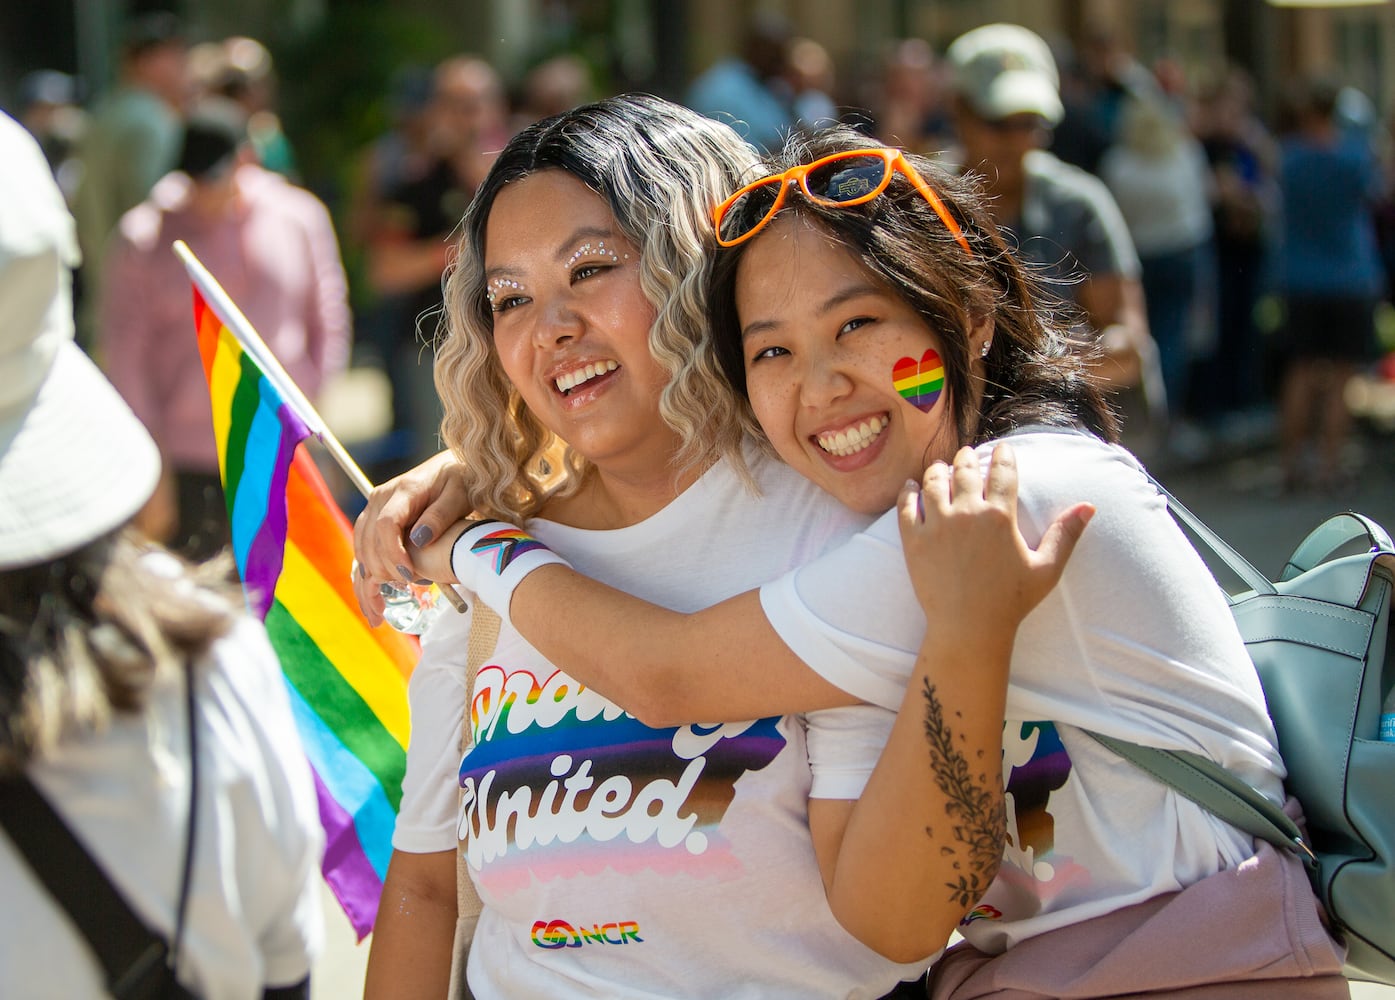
(344, 97)
(659, 45)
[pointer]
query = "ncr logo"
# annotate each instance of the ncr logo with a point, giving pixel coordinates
(553, 934)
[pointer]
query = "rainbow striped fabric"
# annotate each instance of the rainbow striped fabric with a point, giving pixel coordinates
(294, 551)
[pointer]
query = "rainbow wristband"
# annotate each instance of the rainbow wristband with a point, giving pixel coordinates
(492, 558)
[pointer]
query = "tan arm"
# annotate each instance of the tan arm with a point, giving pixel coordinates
(905, 862)
(723, 664)
(410, 954)
(1115, 307)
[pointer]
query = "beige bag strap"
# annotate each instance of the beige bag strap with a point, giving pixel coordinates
(484, 636)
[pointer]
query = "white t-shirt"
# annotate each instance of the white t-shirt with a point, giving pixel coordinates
(254, 914)
(1136, 642)
(620, 861)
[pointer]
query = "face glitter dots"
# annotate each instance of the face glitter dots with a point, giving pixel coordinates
(499, 287)
(598, 249)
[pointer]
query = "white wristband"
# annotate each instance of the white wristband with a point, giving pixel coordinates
(492, 558)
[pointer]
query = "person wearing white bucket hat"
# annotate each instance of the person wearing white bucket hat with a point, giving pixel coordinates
(74, 461)
(144, 725)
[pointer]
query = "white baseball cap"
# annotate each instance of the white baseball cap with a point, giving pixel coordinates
(75, 462)
(1005, 69)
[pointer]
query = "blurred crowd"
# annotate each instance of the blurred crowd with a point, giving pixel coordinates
(1231, 268)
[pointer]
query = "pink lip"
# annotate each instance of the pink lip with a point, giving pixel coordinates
(846, 422)
(586, 392)
(573, 365)
(856, 461)
(576, 364)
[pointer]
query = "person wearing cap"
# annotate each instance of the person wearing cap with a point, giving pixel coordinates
(272, 247)
(1066, 223)
(131, 141)
(116, 661)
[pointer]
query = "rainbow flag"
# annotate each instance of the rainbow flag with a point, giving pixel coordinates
(294, 551)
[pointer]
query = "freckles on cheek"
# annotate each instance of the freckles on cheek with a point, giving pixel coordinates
(769, 397)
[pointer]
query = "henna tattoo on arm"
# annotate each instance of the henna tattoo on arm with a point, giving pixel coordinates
(975, 806)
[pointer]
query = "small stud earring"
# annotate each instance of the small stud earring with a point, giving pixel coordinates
(986, 344)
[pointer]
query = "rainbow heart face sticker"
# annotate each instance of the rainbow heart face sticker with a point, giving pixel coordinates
(920, 382)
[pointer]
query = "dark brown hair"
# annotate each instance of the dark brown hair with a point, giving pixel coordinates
(1035, 374)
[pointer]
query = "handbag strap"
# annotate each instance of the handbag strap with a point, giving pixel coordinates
(125, 947)
(1237, 563)
(1329, 536)
(129, 952)
(1215, 789)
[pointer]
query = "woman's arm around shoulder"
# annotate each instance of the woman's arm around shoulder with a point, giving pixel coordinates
(724, 663)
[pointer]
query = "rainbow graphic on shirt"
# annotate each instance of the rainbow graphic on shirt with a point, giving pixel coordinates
(1031, 784)
(919, 382)
(554, 934)
(502, 547)
(560, 781)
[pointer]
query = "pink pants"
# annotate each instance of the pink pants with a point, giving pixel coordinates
(1252, 931)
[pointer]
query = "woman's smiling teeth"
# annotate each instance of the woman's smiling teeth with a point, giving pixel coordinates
(566, 383)
(853, 439)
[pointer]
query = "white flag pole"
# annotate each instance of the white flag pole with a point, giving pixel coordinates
(253, 344)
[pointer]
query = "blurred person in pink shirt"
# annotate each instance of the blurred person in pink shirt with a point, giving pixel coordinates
(272, 246)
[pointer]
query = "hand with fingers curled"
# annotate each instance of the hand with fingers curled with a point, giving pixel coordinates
(969, 563)
(414, 507)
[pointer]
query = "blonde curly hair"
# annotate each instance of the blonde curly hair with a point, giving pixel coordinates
(660, 168)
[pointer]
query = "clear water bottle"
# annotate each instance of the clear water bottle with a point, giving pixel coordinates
(1387, 717)
(411, 608)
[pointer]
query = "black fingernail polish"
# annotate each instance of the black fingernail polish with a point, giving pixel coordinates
(405, 573)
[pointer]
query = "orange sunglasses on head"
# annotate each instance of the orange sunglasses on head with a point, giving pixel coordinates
(842, 180)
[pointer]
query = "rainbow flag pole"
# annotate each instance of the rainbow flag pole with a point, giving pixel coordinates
(253, 344)
(251, 341)
(294, 551)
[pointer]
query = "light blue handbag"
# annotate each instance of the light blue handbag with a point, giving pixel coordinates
(1321, 640)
